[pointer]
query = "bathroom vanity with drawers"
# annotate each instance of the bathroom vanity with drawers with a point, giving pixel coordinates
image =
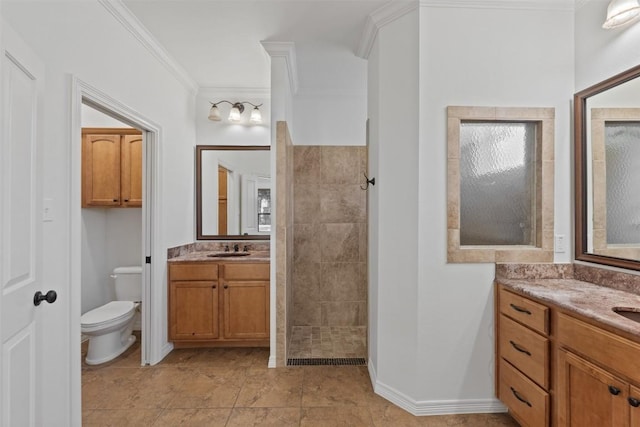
(219, 302)
(566, 353)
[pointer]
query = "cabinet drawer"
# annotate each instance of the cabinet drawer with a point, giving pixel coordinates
(525, 311)
(526, 350)
(195, 271)
(527, 402)
(247, 271)
(601, 346)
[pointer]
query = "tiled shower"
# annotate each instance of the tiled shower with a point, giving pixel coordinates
(328, 307)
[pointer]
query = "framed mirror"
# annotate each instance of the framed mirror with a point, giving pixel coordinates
(607, 171)
(233, 192)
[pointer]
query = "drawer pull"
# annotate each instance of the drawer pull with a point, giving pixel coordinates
(520, 309)
(634, 402)
(614, 390)
(520, 398)
(520, 349)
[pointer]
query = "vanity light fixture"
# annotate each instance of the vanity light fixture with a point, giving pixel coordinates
(235, 115)
(620, 12)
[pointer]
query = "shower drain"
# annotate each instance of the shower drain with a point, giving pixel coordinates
(321, 361)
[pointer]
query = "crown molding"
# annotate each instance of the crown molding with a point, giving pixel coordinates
(378, 19)
(503, 4)
(129, 21)
(286, 50)
(235, 92)
(396, 9)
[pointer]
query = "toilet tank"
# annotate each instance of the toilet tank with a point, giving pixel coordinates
(128, 283)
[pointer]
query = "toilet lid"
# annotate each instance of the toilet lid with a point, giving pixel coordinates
(107, 313)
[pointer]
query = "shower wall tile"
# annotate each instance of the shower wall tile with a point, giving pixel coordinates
(306, 164)
(344, 281)
(340, 242)
(340, 165)
(345, 313)
(330, 236)
(342, 203)
(306, 243)
(306, 203)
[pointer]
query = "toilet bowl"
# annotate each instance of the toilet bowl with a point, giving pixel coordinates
(109, 327)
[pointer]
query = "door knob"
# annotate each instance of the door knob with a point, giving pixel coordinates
(49, 297)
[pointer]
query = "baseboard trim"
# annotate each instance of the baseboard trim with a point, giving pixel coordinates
(433, 407)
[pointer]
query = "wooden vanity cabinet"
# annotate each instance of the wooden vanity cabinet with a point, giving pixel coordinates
(246, 301)
(193, 302)
(523, 363)
(111, 167)
(219, 304)
(597, 371)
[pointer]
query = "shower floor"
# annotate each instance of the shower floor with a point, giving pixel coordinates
(328, 342)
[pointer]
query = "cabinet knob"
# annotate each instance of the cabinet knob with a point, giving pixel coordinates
(226, 286)
(115, 200)
(634, 402)
(213, 287)
(126, 200)
(614, 390)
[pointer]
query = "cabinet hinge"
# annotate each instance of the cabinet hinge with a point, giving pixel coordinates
(148, 260)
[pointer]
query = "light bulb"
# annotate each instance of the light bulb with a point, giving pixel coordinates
(214, 113)
(256, 116)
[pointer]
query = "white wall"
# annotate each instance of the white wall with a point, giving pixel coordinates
(602, 53)
(484, 56)
(393, 204)
(83, 39)
(331, 103)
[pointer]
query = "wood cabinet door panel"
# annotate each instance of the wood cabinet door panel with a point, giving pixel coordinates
(193, 310)
(588, 395)
(100, 170)
(246, 310)
(193, 271)
(634, 411)
(131, 170)
(247, 271)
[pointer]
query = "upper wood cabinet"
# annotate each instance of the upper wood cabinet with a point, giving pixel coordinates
(111, 167)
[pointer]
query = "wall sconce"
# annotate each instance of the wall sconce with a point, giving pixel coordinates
(235, 115)
(620, 12)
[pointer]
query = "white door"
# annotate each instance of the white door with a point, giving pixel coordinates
(22, 372)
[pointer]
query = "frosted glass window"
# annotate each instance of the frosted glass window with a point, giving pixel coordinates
(622, 151)
(497, 183)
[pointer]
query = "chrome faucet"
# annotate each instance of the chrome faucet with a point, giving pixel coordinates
(236, 248)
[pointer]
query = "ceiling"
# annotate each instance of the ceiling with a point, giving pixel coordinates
(217, 42)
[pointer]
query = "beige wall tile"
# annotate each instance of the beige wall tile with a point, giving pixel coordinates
(342, 204)
(344, 281)
(306, 242)
(343, 313)
(340, 165)
(340, 242)
(306, 164)
(306, 203)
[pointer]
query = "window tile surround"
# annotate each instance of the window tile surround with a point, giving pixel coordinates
(599, 118)
(544, 210)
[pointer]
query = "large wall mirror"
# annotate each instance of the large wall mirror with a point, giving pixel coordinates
(607, 171)
(233, 192)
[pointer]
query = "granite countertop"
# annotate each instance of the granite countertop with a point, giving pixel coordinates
(203, 256)
(587, 299)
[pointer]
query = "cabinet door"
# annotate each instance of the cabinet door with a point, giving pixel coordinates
(589, 395)
(131, 176)
(634, 408)
(246, 310)
(100, 170)
(193, 311)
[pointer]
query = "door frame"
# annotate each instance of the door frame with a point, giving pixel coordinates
(152, 346)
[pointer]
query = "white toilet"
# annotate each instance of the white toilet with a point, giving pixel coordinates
(109, 327)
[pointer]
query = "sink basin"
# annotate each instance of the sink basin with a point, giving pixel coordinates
(228, 254)
(630, 313)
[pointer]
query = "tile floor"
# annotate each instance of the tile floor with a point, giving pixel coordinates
(233, 387)
(328, 341)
